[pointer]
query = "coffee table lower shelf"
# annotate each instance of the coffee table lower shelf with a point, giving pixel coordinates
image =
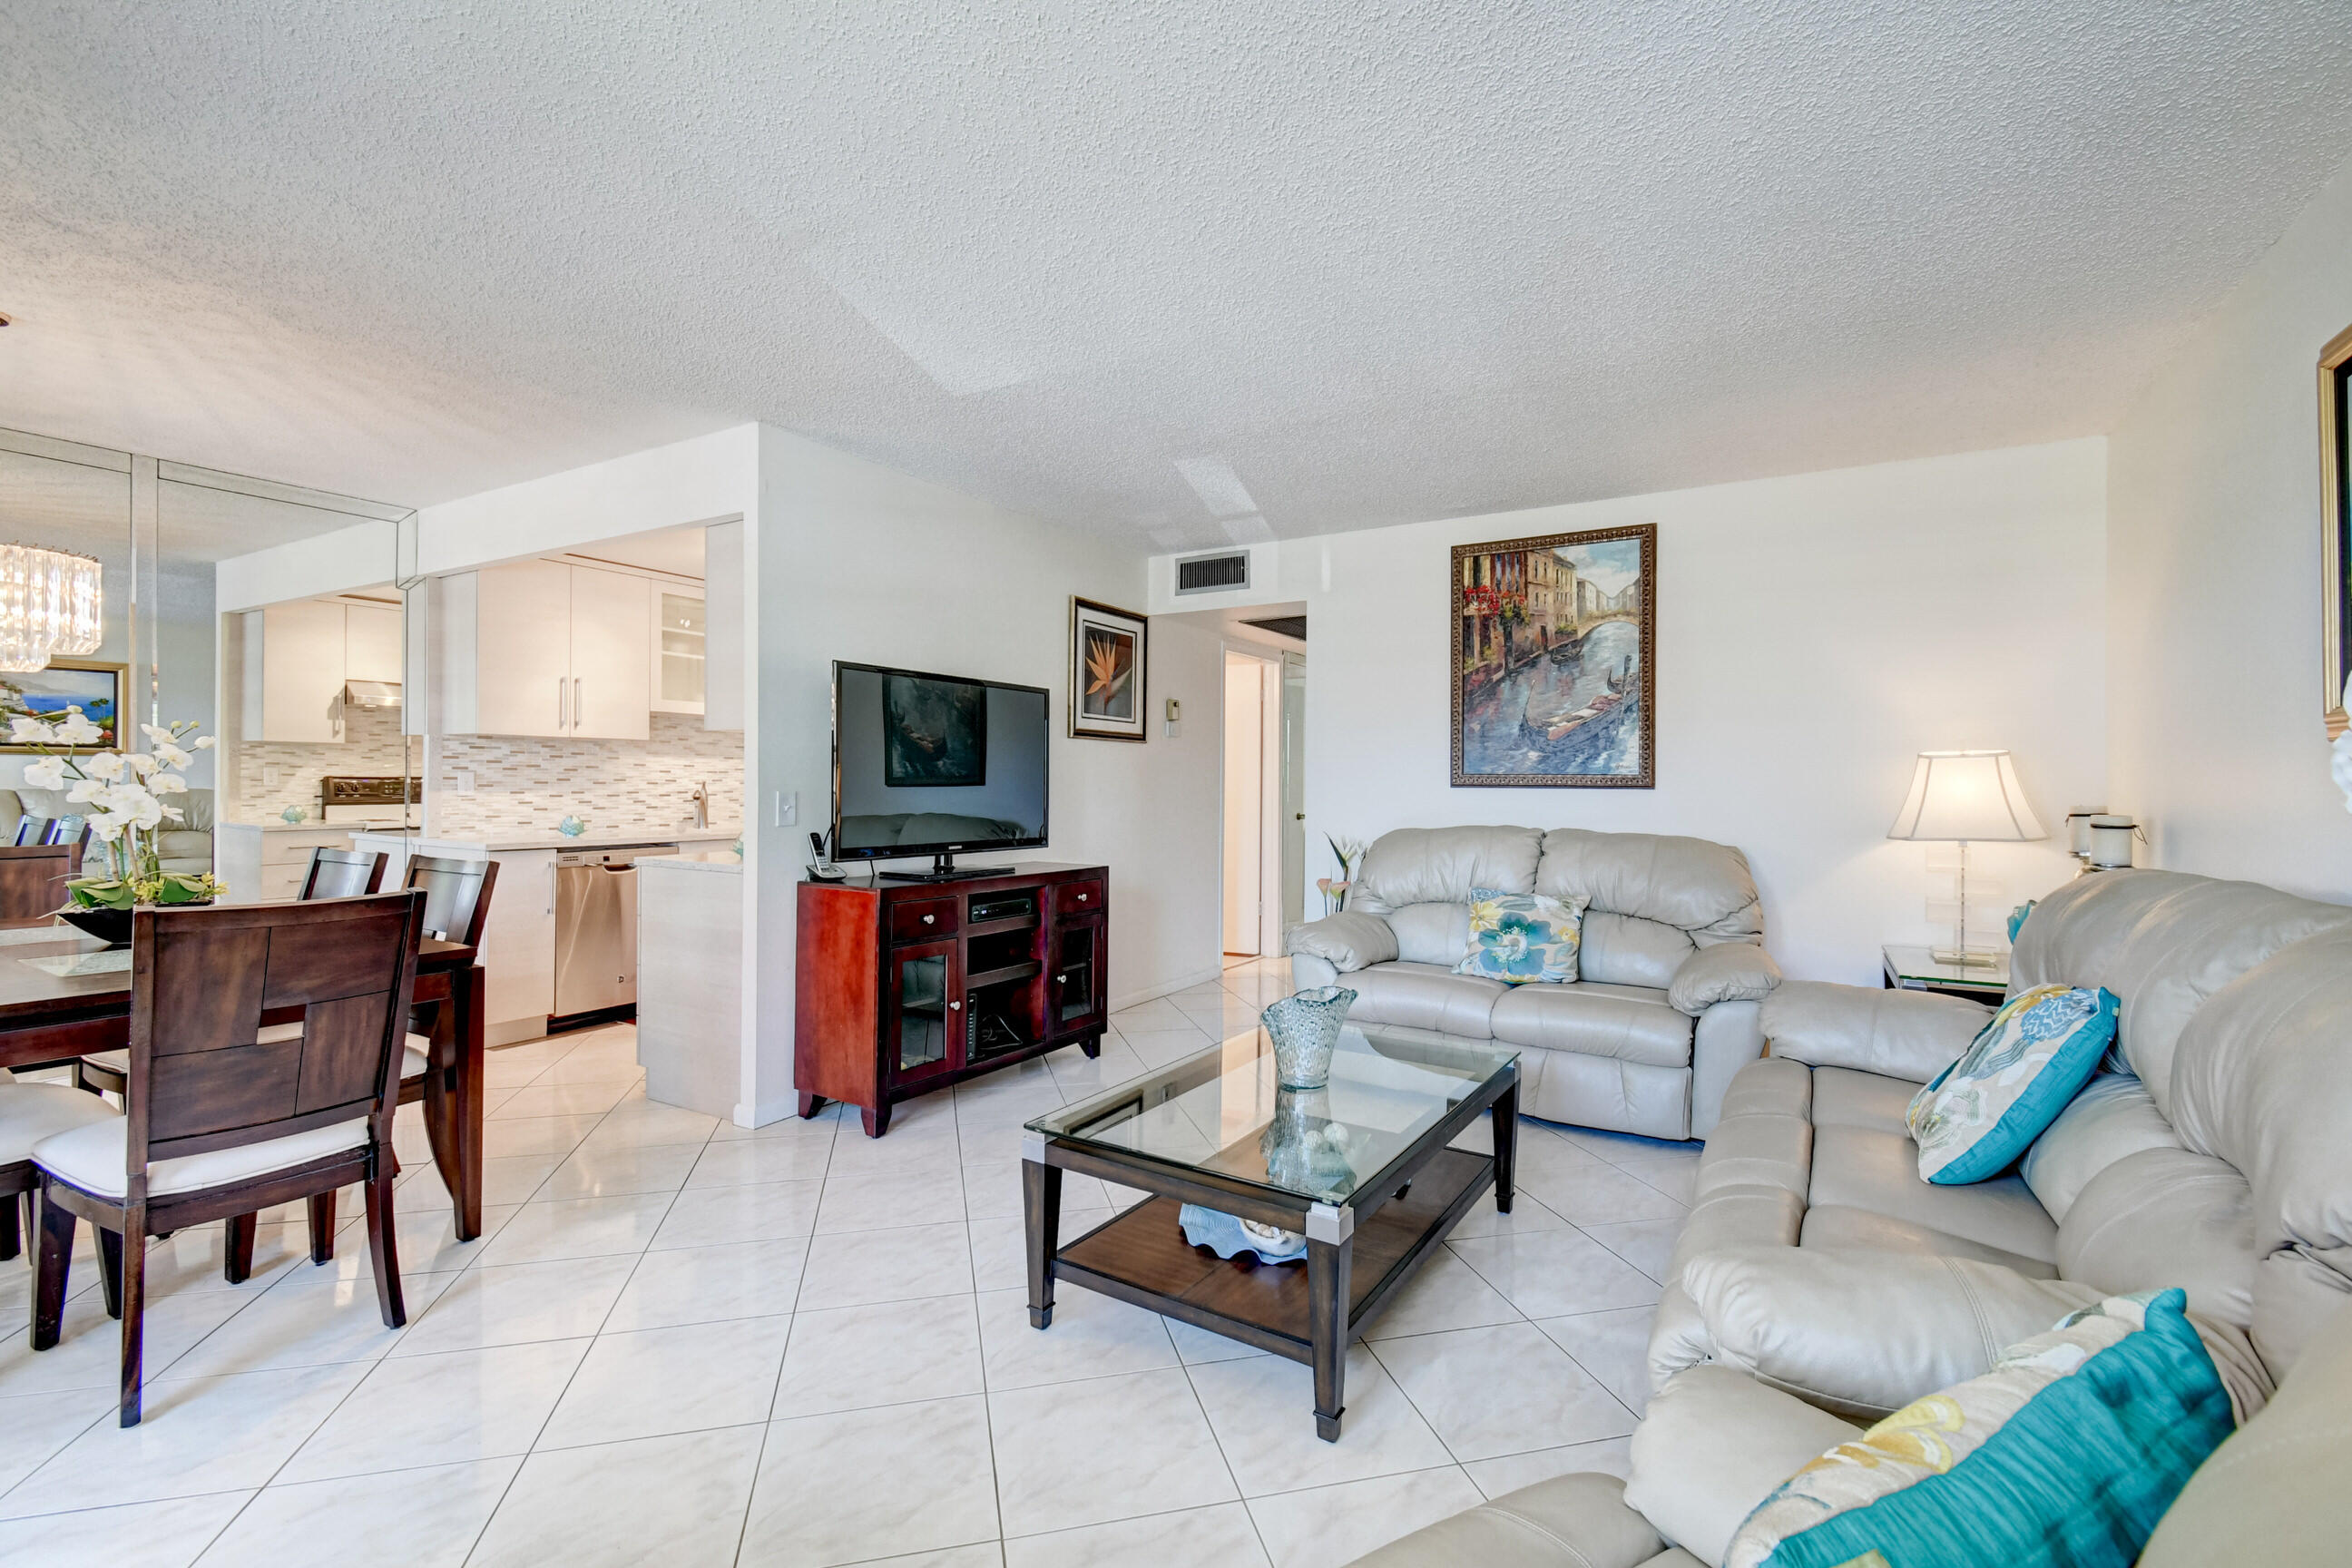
(1141, 1257)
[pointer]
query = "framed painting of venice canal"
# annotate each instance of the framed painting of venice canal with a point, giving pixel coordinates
(1552, 667)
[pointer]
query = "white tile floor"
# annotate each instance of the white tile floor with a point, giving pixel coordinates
(681, 1343)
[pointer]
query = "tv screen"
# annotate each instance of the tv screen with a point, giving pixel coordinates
(934, 764)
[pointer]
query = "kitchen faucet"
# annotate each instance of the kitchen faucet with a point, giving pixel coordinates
(701, 799)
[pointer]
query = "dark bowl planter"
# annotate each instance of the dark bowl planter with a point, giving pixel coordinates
(109, 926)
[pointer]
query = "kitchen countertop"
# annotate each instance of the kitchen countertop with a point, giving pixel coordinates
(594, 838)
(312, 825)
(710, 860)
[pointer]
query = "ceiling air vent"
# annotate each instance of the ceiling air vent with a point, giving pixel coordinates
(1212, 574)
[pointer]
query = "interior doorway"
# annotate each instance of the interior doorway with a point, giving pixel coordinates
(1254, 848)
(1292, 824)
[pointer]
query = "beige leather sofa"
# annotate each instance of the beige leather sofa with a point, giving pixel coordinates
(1819, 1282)
(186, 845)
(1671, 966)
(1716, 1443)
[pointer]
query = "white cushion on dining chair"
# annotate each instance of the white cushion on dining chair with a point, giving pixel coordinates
(416, 1056)
(92, 1157)
(32, 1112)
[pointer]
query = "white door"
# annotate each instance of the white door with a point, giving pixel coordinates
(611, 623)
(371, 644)
(1244, 874)
(301, 672)
(1293, 825)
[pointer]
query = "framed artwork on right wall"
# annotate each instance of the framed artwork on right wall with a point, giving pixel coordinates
(2335, 545)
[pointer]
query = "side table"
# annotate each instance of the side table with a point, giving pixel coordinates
(1915, 969)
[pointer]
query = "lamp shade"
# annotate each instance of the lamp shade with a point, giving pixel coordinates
(1965, 796)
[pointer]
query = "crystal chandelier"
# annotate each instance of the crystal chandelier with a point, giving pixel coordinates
(50, 604)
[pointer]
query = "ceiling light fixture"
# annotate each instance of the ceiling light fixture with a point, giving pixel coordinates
(51, 602)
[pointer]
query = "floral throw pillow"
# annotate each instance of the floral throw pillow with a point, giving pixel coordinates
(2064, 1455)
(1520, 937)
(2031, 1056)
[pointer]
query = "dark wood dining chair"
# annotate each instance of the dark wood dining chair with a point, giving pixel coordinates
(265, 1067)
(457, 907)
(333, 874)
(342, 874)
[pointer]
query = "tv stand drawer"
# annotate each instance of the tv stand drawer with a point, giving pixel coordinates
(921, 920)
(1078, 899)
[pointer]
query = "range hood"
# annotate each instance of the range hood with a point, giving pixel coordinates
(371, 693)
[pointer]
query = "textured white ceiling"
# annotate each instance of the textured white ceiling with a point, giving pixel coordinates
(1368, 263)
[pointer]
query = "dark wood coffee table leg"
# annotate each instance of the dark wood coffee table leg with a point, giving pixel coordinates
(1507, 1145)
(1330, 1259)
(1041, 1207)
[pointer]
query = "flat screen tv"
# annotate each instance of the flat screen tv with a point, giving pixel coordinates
(935, 764)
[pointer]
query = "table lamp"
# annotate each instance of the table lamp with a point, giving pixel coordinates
(1957, 797)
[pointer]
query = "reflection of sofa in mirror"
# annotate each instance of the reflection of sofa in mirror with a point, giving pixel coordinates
(185, 845)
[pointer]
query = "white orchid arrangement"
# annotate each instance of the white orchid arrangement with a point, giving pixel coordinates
(126, 792)
(1349, 852)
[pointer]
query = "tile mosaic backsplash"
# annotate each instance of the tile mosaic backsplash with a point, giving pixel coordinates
(526, 784)
(371, 747)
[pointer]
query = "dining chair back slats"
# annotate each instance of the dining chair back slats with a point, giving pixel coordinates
(215, 1075)
(309, 964)
(457, 895)
(343, 873)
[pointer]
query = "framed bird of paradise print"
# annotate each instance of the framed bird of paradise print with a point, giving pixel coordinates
(1106, 672)
(2336, 536)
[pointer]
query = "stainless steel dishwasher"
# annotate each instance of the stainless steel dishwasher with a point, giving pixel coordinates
(596, 927)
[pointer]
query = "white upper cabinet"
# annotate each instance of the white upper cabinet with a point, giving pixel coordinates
(611, 624)
(293, 675)
(541, 647)
(372, 643)
(677, 653)
(521, 665)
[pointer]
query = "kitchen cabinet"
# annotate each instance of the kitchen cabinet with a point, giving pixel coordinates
(293, 674)
(517, 950)
(263, 864)
(542, 647)
(678, 649)
(372, 643)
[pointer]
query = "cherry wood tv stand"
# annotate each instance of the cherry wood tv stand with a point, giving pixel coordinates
(905, 987)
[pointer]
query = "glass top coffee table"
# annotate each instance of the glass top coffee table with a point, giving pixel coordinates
(1361, 1167)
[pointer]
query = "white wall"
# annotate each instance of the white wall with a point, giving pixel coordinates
(1815, 632)
(2214, 580)
(856, 562)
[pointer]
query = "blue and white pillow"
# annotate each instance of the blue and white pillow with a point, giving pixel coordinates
(2031, 1056)
(1520, 937)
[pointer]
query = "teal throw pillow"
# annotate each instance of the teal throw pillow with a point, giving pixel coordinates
(1520, 937)
(2065, 1454)
(1983, 1112)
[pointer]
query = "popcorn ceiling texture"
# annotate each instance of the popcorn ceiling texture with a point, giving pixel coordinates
(1387, 263)
(522, 784)
(371, 747)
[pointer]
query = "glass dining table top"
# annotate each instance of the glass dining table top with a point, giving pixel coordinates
(1221, 1111)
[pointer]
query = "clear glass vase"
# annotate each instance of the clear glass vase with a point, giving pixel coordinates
(1305, 1150)
(1304, 1029)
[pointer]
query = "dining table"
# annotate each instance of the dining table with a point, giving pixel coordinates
(65, 994)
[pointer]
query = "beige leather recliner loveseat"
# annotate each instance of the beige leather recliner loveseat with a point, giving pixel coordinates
(1671, 966)
(1820, 1282)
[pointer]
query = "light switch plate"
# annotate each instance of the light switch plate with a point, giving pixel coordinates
(461, 781)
